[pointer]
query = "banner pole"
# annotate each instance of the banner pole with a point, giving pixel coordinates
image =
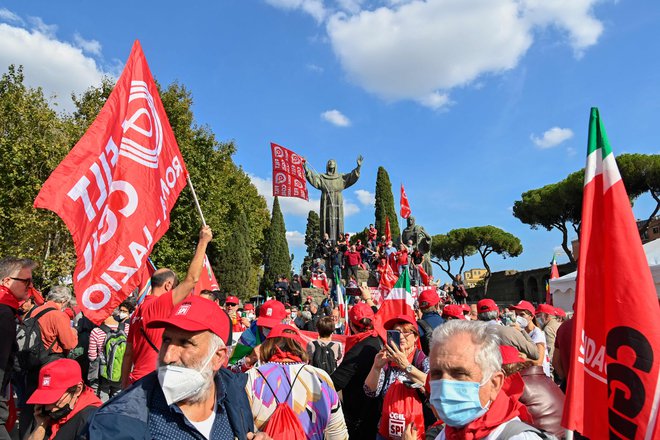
(199, 209)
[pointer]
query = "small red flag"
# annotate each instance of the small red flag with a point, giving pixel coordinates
(288, 173)
(613, 383)
(405, 206)
(115, 189)
(207, 280)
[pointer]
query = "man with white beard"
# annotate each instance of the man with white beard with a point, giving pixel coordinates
(190, 396)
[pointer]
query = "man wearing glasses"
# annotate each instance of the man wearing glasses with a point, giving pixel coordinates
(15, 280)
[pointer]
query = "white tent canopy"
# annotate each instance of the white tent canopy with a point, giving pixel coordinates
(563, 288)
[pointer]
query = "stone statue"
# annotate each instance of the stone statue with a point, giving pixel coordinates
(331, 184)
(421, 240)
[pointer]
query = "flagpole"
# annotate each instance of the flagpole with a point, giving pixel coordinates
(199, 208)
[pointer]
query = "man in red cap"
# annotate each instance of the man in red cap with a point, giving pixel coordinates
(361, 412)
(143, 342)
(452, 311)
(190, 396)
(238, 323)
(545, 315)
(63, 404)
(428, 305)
(489, 312)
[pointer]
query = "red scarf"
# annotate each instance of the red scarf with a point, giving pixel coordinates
(359, 337)
(284, 356)
(7, 298)
(514, 386)
(86, 398)
(501, 410)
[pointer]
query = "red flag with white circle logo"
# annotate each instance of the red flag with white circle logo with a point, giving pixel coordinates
(288, 173)
(115, 189)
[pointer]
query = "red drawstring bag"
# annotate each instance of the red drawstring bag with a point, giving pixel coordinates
(283, 423)
(401, 407)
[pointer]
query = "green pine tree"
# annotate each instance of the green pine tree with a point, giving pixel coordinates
(385, 205)
(311, 237)
(234, 259)
(277, 261)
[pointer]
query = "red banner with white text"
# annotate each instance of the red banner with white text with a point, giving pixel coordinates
(288, 173)
(115, 189)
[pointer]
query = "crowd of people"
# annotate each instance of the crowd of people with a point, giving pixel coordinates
(211, 366)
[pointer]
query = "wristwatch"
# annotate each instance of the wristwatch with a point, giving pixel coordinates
(409, 368)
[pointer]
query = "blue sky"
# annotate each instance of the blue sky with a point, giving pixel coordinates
(468, 103)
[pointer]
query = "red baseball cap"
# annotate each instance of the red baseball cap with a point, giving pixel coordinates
(358, 312)
(487, 305)
(196, 314)
(466, 308)
(54, 379)
(428, 298)
(248, 306)
(232, 300)
(546, 308)
(271, 313)
(287, 331)
(510, 355)
(390, 323)
(560, 312)
(524, 305)
(453, 311)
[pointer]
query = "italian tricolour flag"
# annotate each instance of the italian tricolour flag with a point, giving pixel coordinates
(399, 301)
(615, 364)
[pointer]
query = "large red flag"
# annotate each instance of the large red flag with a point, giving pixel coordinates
(288, 173)
(613, 387)
(115, 189)
(405, 206)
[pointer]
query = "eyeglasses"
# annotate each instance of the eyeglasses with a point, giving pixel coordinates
(26, 281)
(406, 334)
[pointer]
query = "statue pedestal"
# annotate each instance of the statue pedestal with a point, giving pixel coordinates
(317, 294)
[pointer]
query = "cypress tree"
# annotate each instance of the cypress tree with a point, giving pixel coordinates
(311, 238)
(385, 205)
(277, 260)
(234, 259)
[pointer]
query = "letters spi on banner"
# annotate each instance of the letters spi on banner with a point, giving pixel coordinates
(115, 189)
(288, 173)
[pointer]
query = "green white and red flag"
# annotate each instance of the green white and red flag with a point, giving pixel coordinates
(399, 301)
(613, 387)
(342, 303)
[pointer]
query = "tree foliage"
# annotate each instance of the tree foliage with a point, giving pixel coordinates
(234, 259)
(311, 238)
(641, 174)
(385, 205)
(35, 140)
(277, 260)
(452, 246)
(490, 239)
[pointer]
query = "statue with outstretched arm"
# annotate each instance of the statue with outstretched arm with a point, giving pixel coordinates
(331, 184)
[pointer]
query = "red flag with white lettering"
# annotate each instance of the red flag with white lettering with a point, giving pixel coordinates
(405, 205)
(115, 189)
(613, 388)
(207, 280)
(288, 173)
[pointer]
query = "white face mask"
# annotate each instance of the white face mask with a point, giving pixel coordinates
(293, 315)
(179, 383)
(522, 322)
(250, 316)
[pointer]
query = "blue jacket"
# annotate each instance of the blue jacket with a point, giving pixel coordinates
(127, 415)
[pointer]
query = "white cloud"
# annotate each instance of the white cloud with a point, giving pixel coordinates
(89, 46)
(421, 50)
(335, 117)
(57, 66)
(294, 205)
(570, 151)
(314, 68)
(7, 15)
(295, 239)
(365, 197)
(552, 137)
(315, 8)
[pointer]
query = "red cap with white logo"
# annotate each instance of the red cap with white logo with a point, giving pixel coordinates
(196, 314)
(271, 313)
(54, 379)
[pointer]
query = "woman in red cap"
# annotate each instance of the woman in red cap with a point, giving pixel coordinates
(528, 323)
(285, 377)
(63, 405)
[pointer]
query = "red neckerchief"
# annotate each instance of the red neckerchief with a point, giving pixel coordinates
(514, 386)
(501, 410)
(86, 398)
(284, 356)
(359, 337)
(7, 298)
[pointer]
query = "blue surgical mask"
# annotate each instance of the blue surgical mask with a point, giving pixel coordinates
(457, 402)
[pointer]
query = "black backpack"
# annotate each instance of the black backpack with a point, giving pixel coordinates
(31, 351)
(324, 357)
(426, 339)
